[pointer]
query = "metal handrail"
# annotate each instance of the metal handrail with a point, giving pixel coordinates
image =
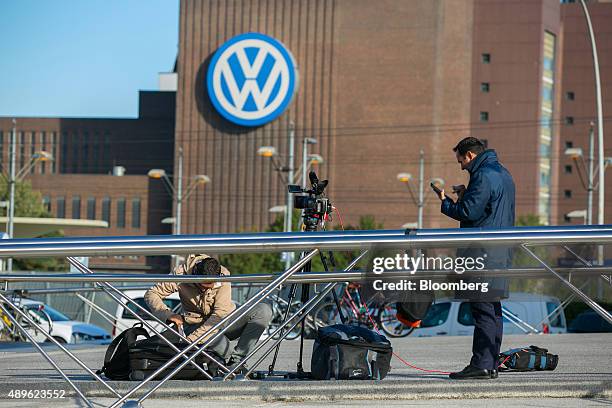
(347, 240)
(304, 277)
(272, 235)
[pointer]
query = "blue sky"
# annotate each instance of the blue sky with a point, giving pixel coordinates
(83, 58)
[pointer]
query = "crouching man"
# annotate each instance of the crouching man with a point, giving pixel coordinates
(205, 305)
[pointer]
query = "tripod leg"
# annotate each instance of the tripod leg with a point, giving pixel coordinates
(335, 295)
(305, 296)
(292, 292)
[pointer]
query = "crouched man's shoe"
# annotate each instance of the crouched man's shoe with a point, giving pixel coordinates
(494, 374)
(231, 364)
(472, 373)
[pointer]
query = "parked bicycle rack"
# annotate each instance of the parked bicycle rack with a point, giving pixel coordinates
(525, 238)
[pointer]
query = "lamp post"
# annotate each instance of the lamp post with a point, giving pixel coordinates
(14, 177)
(175, 190)
(600, 130)
(420, 202)
(589, 170)
(307, 141)
(271, 153)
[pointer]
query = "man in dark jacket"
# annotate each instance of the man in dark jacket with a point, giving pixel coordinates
(487, 202)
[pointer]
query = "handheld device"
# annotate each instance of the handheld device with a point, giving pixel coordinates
(435, 188)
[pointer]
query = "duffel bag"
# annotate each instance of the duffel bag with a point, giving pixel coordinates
(345, 352)
(532, 358)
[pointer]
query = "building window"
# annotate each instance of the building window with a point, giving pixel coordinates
(46, 200)
(21, 150)
(486, 58)
(485, 87)
(76, 207)
(106, 209)
(60, 209)
(121, 213)
(567, 193)
(570, 96)
(569, 120)
(64, 148)
(569, 144)
(53, 163)
(484, 116)
(91, 208)
(568, 169)
(32, 149)
(136, 213)
(43, 146)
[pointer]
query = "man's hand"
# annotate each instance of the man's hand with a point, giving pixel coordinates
(176, 319)
(440, 195)
(459, 190)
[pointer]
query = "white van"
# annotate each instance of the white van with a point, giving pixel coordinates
(448, 317)
(124, 319)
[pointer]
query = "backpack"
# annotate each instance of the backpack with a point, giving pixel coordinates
(530, 358)
(346, 352)
(116, 360)
(130, 359)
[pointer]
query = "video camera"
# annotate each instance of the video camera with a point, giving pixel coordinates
(315, 205)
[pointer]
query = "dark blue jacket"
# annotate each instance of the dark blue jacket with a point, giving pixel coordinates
(488, 202)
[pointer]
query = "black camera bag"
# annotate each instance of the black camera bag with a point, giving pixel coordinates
(345, 352)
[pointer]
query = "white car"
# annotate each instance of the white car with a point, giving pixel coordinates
(124, 319)
(521, 310)
(61, 327)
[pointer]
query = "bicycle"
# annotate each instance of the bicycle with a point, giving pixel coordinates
(357, 312)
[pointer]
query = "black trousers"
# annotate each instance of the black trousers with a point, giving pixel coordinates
(488, 331)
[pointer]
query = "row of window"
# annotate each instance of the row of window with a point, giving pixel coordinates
(36, 141)
(120, 207)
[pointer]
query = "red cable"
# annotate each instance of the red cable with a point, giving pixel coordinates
(339, 218)
(398, 357)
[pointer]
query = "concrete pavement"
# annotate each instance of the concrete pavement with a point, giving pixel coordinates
(584, 372)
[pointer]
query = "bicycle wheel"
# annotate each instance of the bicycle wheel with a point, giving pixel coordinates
(389, 324)
(326, 315)
(279, 315)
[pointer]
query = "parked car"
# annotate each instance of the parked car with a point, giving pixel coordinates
(61, 327)
(124, 319)
(454, 318)
(589, 322)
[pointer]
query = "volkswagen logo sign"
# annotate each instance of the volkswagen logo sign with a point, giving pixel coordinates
(251, 79)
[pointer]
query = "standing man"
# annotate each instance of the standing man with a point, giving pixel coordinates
(487, 202)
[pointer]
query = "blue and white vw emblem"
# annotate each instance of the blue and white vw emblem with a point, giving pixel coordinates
(251, 79)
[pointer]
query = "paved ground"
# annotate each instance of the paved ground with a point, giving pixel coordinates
(583, 377)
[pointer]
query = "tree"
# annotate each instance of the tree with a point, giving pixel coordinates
(28, 203)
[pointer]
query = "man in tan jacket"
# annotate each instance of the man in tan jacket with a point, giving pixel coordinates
(205, 305)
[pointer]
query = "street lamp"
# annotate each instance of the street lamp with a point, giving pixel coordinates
(577, 214)
(586, 171)
(406, 178)
(175, 190)
(14, 177)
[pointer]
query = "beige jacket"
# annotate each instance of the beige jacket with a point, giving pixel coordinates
(199, 306)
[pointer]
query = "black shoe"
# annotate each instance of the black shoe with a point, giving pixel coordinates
(471, 373)
(494, 374)
(233, 363)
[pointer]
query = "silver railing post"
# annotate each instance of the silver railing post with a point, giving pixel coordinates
(222, 327)
(50, 338)
(303, 311)
(598, 309)
(82, 268)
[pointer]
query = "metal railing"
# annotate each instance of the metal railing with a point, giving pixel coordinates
(525, 238)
